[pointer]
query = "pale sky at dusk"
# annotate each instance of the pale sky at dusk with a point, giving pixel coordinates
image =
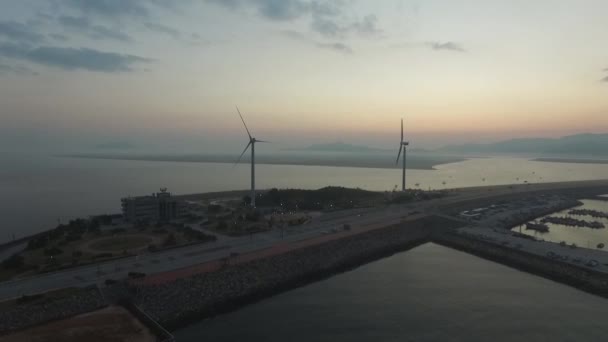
(76, 73)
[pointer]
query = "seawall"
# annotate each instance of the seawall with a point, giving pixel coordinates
(580, 277)
(186, 300)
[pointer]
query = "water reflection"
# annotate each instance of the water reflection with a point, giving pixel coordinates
(430, 293)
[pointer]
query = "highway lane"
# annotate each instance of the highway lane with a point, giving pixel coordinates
(192, 255)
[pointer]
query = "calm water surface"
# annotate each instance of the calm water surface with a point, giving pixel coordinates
(430, 293)
(37, 191)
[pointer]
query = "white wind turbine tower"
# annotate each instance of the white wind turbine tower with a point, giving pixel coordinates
(251, 143)
(402, 146)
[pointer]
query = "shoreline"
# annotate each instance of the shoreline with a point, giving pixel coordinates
(571, 160)
(365, 162)
(173, 298)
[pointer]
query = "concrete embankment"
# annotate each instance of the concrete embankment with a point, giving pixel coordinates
(203, 295)
(580, 277)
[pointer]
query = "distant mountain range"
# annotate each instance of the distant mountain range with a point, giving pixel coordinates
(339, 147)
(580, 145)
(115, 145)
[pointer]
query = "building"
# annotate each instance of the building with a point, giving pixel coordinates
(158, 207)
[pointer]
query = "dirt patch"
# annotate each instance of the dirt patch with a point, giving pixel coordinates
(109, 324)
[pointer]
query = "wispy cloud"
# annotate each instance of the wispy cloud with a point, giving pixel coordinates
(6, 69)
(334, 46)
(82, 25)
(279, 10)
(108, 8)
(59, 37)
(163, 29)
(448, 46)
(339, 47)
(73, 58)
(18, 32)
(432, 45)
(326, 18)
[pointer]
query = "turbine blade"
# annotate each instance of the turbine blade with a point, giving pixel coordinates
(399, 154)
(247, 129)
(401, 129)
(241, 156)
(264, 141)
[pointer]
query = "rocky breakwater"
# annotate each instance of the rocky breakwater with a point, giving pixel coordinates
(581, 277)
(33, 310)
(203, 295)
(572, 222)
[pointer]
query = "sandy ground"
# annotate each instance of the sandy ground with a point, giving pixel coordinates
(113, 323)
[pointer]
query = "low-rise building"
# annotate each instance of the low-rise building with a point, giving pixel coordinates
(160, 206)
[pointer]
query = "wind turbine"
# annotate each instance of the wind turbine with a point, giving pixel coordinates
(251, 143)
(402, 146)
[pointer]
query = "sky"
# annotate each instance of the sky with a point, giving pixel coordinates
(158, 75)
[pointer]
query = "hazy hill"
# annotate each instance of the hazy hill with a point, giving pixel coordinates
(115, 145)
(581, 145)
(339, 147)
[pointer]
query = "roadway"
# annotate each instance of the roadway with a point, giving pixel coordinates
(177, 258)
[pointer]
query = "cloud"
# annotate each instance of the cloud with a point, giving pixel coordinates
(327, 18)
(84, 26)
(339, 47)
(449, 46)
(16, 69)
(109, 8)
(19, 32)
(59, 37)
(73, 58)
(335, 46)
(271, 9)
(163, 29)
(367, 26)
(327, 28)
(605, 79)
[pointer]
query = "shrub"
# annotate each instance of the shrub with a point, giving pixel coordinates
(53, 251)
(102, 255)
(222, 225)
(26, 299)
(14, 262)
(109, 282)
(73, 237)
(170, 240)
(118, 230)
(136, 275)
(37, 243)
(214, 208)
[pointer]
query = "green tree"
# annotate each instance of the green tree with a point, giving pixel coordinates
(247, 200)
(14, 262)
(170, 240)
